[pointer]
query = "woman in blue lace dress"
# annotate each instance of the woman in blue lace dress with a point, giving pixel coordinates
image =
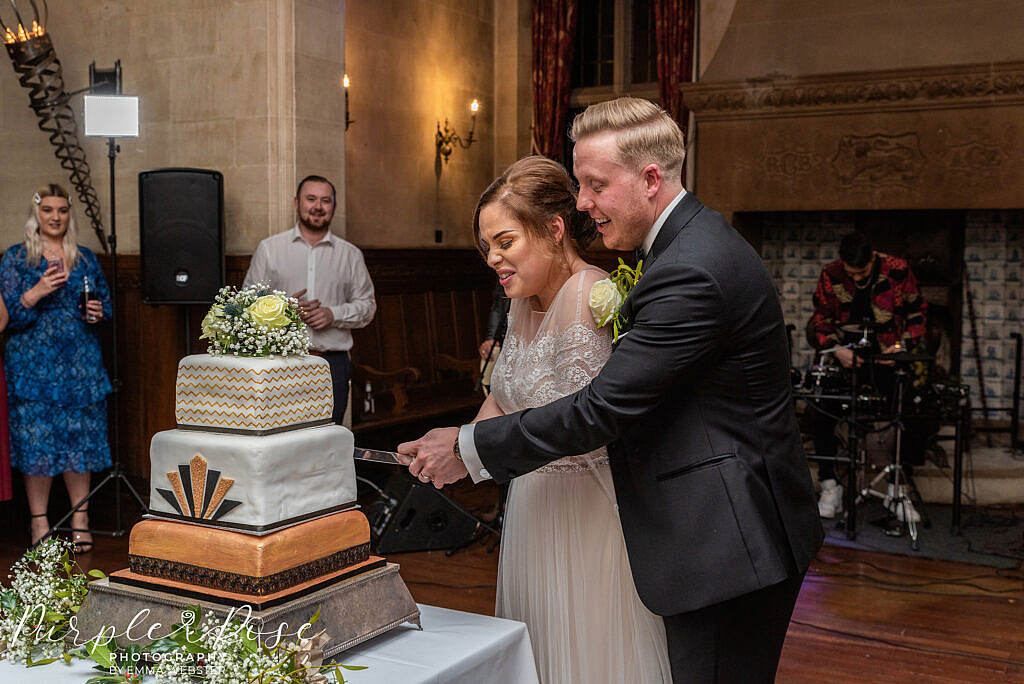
(56, 383)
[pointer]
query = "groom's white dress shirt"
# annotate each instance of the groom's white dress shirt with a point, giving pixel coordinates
(467, 446)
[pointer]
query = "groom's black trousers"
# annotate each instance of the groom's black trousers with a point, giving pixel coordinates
(739, 640)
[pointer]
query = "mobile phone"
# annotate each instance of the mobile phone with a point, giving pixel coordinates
(59, 263)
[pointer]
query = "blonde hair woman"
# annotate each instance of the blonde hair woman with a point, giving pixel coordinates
(57, 386)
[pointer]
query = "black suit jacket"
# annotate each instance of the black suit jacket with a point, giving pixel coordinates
(695, 407)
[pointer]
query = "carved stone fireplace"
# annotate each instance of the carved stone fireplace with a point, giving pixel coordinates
(794, 163)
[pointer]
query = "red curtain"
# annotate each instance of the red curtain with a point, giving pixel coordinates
(554, 32)
(5, 442)
(673, 29)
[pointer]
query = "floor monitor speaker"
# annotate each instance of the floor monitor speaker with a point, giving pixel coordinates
(424, 520)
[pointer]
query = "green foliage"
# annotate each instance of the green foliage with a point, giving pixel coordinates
(47, 589)
(625, 279)
(233, 309)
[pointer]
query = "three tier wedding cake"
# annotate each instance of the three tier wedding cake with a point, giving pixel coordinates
(253, 495)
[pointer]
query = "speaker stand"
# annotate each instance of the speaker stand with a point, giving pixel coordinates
(188, 329)
(482, 526)
(117, 474)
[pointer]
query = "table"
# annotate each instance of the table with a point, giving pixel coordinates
(452, 647)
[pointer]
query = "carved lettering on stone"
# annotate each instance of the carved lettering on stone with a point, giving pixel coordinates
(789, 164)
(975, 157)
(879, 159)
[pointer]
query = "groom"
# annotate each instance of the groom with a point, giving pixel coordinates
(694, 405)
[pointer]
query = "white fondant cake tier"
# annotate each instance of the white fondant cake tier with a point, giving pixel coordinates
(251, 483)
(252, 394)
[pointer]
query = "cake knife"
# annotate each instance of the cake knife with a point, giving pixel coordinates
(391, 457)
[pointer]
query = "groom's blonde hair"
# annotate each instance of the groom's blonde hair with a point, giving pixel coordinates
(644, 133)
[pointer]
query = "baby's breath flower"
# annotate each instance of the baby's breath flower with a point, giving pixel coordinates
(231, 328)
(42, 580)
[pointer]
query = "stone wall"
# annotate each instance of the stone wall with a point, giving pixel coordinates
(252, 88)
(223, 85)
(412, 65)
(742, 39)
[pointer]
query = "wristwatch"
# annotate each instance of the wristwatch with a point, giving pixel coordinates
(456, 450)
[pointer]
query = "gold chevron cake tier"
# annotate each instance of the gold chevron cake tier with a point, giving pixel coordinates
(252, 394)
(244, 563)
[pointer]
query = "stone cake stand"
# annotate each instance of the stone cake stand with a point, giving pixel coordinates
(351, 611)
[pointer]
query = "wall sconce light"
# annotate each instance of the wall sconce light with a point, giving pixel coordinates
(348, 121)
(448, 136)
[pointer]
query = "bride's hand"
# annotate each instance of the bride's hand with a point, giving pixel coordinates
(432, 459)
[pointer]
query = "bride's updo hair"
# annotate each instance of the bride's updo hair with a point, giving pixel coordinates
(535, 190)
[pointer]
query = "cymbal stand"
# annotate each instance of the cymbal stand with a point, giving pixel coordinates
(855, 459)
(850, 450)
(853, 453)
(900, 498)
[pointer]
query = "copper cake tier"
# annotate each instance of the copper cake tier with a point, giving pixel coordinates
(247, 564)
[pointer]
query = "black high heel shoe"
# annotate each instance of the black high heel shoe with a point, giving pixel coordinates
(39, 541)
(81, 545)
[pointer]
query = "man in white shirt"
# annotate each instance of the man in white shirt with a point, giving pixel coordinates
(326, 274)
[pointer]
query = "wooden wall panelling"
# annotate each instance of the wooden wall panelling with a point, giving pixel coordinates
(392, 326)
(444, 319)
(465, 325)
(367, 340)
(482, 309)
(418, 325)
(158, 334)
(132, 411)
(423, 297)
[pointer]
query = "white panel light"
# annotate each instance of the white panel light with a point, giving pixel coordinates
(112, 116)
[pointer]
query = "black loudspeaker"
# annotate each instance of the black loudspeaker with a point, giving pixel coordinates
(181, 233)
(422, 520)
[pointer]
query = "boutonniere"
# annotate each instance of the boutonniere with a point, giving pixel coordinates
(607, 295)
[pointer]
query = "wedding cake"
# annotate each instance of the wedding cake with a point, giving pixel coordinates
(252, 495)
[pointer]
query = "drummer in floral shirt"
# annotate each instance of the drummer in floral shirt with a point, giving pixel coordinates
(863, 285)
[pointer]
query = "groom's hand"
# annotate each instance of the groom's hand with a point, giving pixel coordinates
(432, 458)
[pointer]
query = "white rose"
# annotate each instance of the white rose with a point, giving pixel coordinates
(605, 300)
(269, 311)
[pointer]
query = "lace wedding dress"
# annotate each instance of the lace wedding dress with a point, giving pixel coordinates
(563, 568)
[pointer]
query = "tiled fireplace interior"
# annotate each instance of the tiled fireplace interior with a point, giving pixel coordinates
(939, 245)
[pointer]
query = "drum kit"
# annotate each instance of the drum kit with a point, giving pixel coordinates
(876, 391)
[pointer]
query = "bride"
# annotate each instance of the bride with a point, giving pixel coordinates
(563, 568)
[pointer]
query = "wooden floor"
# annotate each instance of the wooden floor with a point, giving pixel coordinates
(861, 616)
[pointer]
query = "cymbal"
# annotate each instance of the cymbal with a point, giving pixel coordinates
(908, 357)
(858, 327)
(834, 349)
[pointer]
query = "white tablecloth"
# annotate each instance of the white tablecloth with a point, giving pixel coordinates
(452, 647)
